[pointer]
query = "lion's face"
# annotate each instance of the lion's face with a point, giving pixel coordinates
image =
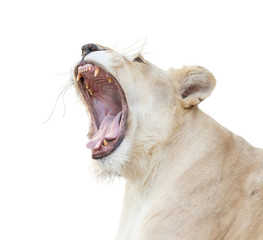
(133, 105)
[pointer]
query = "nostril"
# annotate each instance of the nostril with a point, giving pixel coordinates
(86, 49)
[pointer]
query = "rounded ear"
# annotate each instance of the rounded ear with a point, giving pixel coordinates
(193, 83)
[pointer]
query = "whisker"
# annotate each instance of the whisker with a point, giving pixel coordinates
(63, 98)
(135, 47)
(61, 94)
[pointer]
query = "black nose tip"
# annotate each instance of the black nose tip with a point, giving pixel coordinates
(86, 49)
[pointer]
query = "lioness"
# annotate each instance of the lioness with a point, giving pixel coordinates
(188, 177)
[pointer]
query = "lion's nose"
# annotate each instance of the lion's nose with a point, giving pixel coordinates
(88, 48)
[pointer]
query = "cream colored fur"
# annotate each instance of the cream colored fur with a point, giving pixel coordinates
(188, 178)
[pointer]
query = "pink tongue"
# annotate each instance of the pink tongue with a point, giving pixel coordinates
(109, 130)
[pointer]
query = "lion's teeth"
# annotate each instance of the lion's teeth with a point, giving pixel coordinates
(90, 92)
(109, 79)
(96, 72)
(79, 76)
(87, 86)
(105, 143)
(89, 68)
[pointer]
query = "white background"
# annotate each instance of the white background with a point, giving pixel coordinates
(47, 190)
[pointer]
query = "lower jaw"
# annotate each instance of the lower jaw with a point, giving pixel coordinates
(100, 153)
(103, 152)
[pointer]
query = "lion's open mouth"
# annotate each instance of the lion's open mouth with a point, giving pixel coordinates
(107, 106)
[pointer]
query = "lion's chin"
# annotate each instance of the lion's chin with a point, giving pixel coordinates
(113, 165)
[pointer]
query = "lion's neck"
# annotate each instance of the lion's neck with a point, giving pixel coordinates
(186, 143)
(200, 141)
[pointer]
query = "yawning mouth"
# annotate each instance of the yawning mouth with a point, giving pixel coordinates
(107, 106)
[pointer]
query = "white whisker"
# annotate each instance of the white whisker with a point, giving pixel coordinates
(136, 47)
(61, 94)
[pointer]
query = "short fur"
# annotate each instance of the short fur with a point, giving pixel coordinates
(187, 176)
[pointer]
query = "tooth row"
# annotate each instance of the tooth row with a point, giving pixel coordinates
(85, 70)
(96, 72)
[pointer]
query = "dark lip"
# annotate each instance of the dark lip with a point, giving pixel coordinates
(114, 144)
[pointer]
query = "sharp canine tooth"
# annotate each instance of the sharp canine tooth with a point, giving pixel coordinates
(90, 92)
(87, 85)
(109, 79)
(96, 72)
(79, 76)
(105, 143)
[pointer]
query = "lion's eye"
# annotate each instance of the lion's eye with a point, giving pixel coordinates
(138, 59)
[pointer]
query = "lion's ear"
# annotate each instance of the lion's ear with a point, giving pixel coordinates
(193, 83)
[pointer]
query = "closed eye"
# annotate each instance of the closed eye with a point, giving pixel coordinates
(138, 59)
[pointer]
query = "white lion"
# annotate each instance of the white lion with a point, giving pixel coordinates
(187, 176)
